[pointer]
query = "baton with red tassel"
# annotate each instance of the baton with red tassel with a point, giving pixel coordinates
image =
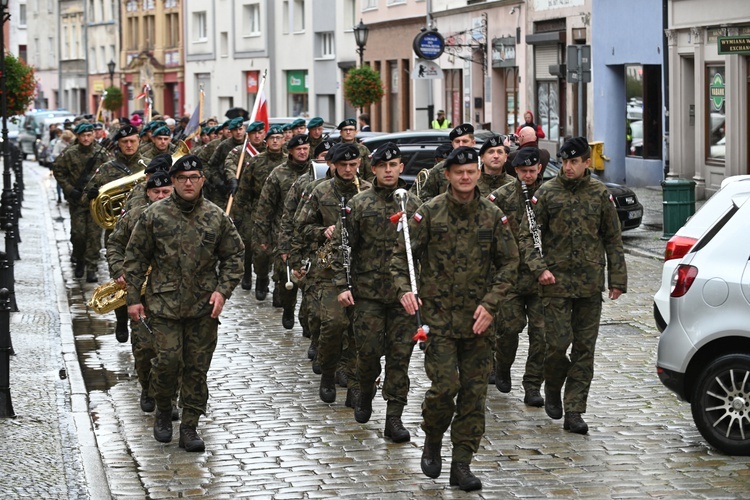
(400, 195)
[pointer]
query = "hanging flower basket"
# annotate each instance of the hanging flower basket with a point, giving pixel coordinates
(113, 99)
(20, 82)
(363, 87)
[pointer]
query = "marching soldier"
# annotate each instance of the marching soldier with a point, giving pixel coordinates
(468, 259)
(185, 294)
(315, 132)
(161, 139)
(381, 325)
(158, 187)
(299, 127)
(127, 161)
(348, 130)
(73, 169)
(523, 301)
(493, 154)
(437, 182)
(137, 196)
(267, 220)
(252, 179)
(216, 174)
(214, 186)
(288, 133)
(579, 227)
(316, 223)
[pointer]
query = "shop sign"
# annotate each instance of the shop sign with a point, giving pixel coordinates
(252, 81)
(428, 45)
(734, 45)
(716, 90)
(426, 70)
(296, 81)
(504, 52)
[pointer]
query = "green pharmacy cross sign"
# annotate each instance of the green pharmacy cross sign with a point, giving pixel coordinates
(717, 91)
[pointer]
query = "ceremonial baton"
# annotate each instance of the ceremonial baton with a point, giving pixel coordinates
(289, 285)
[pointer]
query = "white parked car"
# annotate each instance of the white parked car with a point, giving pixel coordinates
(687, 235)
(704, 353)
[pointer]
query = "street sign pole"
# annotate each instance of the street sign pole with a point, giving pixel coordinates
(581, 125)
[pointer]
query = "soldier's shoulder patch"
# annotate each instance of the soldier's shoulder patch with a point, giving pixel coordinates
(492, 197)
(348, 209)
(612, 199)
(417, 217)
(209, 237)
(504, 219)
(534, 200)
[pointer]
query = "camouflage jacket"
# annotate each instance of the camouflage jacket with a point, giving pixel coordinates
(509, 198)
(118, 240)
(215, 166)
(70, 167)
(579, 228)
(371, 236)
(208, 149)
(193, 250)
(136, 198)
(467, 257)
(488, 183)
(435, 183)
(293, 200)
(149, 151)
(230, 168)
(315, 142)
(116, 168)
(321, 210)
(270, 206)
(252, 178)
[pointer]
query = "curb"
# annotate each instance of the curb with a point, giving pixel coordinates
(93, 467)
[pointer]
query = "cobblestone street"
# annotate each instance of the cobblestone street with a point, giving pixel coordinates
(268, 435)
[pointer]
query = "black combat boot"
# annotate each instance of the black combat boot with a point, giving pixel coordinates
(341, 378)
(533, 398)
(80, 268)
(247, 280)
(462, 477)
(432, 461)
(287, 319)
(121, 329)
(363, 407)
(306, 332)
(553, 404)
(575, 423)
(261, 288)
(352, 399)
(394, 429)
(190, 440)
(316, 365)
(312, 351)
(277, 296)
(502, 379)
(327, 388)
(91, 277)
(163, 426)
(147, 402)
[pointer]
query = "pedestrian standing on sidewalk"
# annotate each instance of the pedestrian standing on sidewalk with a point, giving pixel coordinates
(468, 260)
(196, 258)
(580, 235)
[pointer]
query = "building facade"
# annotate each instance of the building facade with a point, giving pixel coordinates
(103, 49)
(73, 72)
(44, 50)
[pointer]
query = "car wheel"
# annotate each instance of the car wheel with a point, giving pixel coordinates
(721, 404)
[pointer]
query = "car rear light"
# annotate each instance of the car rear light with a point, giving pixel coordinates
(684, 277)
(677, 247)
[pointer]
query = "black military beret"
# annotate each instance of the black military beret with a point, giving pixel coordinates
(160, 162)
(161, 131)
(323, 146)
(298, 140)
(256, 126)
(98, 126)
(83, 127)
(463, 155)
(158, 179)
(443, 151)
(286, 126)
(386, 152)
(526, 157)
(315, 122)
(187, 163)
(344, 151)
(125, 131)
(572, 148)
(235, 123)
(274, 130)
(349, 122)
(463, 129)
(124, 121)
(299, 122)
(492, 142)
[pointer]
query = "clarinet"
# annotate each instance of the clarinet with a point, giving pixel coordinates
(532, 220)
(345, 248)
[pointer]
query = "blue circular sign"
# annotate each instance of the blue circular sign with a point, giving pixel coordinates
(429, 45)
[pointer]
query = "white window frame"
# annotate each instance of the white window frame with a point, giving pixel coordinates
(200, 26)
(251, 18)
(369, 5)
(22, 15)
(327, 41)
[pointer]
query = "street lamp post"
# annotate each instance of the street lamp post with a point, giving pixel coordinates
(111, 67)
(360, 37)
(6, 200)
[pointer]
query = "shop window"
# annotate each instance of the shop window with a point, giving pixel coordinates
(548, 112)
(715, 126)
(643, 110)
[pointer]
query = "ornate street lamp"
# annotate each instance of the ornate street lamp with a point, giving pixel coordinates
(6, 200)
(111, 67)
(360, 36)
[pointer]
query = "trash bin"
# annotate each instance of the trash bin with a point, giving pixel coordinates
(679, 204)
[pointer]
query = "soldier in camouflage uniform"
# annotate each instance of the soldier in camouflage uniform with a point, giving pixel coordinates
(222, 184)
(493, 155)
(315, 132)
(252, 178)
(256, 132)
(73, 169)
(436, 182)
(316, 223)
(348, 130)
(137, 196)
(468, 259)
(381, 325)
(158, 187)
(523, 301)
(127, 161)
(579, 227)
(160, 143)
(213, 189)
(196, 256)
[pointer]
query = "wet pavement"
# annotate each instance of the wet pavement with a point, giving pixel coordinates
(269, 436)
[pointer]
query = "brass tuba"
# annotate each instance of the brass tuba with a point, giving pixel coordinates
(111, 295)
(420, 181)
(107, 206)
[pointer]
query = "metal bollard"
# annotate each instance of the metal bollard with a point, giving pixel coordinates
(6, 406)
(11, 247)
(7, 279)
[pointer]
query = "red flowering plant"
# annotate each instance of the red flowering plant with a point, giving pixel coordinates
(20, 82)
(363, 87)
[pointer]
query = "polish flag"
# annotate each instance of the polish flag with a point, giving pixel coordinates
(262, 113)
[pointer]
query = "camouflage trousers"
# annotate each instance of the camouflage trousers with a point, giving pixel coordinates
(142, 344)
(510, 322)
(307, 307)
(85, 235)
(261, 265)
(457, 367)
(335, 344)
(186, 344)
(574, 323)
(384, 330)
(288, 297)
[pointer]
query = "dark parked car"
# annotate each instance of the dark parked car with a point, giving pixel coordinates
(433, 137)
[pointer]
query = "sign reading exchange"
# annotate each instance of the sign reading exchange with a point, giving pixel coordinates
(429, 45)
(734, 45)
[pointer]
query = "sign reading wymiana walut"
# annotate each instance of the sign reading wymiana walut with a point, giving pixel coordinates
(734, 45)
(426, 70)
